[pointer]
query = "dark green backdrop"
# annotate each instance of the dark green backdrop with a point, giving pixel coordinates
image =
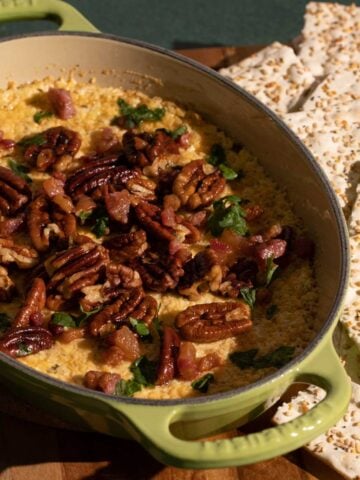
(188, 23)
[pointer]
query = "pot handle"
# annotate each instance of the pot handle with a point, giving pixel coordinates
(151, 426)
(70, 18)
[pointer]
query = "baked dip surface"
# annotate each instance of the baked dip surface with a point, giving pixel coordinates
(128, 211)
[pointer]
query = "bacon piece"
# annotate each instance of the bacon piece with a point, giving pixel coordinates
(62, 103)
(102, 381)
(123, 345)
(169, 352)
(117, 204)
(270, 249)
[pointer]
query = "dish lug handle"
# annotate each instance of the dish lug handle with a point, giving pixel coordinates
(70, 18)
(151, 424)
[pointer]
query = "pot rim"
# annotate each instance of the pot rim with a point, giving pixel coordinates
(333, 202)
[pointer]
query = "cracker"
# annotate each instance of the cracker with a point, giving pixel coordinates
(333, 137)
(338, 88)
(339, 447)
(351, 314)
(330, 37)
(274, 75)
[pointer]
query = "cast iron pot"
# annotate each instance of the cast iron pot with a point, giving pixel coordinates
(167, 428)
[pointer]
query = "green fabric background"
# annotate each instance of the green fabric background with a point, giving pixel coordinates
(188, 23)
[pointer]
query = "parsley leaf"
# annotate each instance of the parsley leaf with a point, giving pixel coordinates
(38, 140)
(84, 216)
(20, 170)
(82, 319)
(271, 311)
(228, 213)
(217, 155)
(249, 296)
(202, 384)
(39, 116)
(142, 113)
(126, 388)
(217, 158)
(64, 319)
(244, 359)
(271, 267)
(5, 322)
(227, 172)
(23, 350)
(101, 226)
(175, 134)
(140, 327)
(144, 371)
(278, 358)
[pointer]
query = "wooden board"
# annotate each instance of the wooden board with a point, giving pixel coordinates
(37, 451)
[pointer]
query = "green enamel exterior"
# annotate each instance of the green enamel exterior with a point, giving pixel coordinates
(70, 18)
(150, 424)
(167, 429)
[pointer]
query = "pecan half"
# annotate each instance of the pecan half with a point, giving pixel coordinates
(7, 286)
(23, 341)
(119, 275)
(158, 272)
(75, 268)
(45, 224)
(15, 193)
(195, 188)
(116, 312)
(57, 143)
(214, 321)
(127, 246)
(10, 252)
(102, 381)
(149, 216)
(168, 356)
(31, 311)
(96, 173)
(141, 149)
(142, 188)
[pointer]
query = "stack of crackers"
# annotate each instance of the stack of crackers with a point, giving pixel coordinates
(315, 89)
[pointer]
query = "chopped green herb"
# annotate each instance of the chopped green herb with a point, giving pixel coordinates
(175, 134)
(21, 170)
(39, 116)
(271, 311)
(271, 267)
(228, 213)
(5, 322)
(84, 216)
(202, 384)
(63, 319)
(217, 155)
(82, 319)
(142, 113)
(101, 226)
(278, 358)
(23, 350)
(217, 158)
(244, 359)
(249, 296)
(140, 327)
(38, 140)
(126, 388)
(227, 172)
(144, 371)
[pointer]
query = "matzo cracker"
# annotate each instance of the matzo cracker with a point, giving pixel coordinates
(340, 445)
(274, 75)
(334, 139)
(330, 37)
